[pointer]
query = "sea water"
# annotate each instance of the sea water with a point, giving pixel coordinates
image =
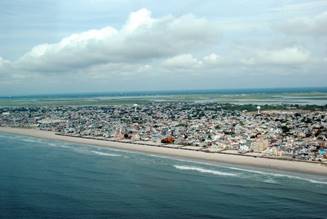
(54, 179)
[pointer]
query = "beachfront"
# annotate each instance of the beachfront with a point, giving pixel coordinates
(288, 132)
(286, 165)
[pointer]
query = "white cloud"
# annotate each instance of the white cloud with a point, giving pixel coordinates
(147, 48)
(138, 19)
(190, 63)
(140, 41)
(285, 56)
(4, 65)
(314, 25)
(300, 7)
(115, 69)
(213, 59)
(182, 61)
(3, 61)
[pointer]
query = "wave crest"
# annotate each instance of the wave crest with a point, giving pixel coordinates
(279, 175)
(203, 170)
(105, 154)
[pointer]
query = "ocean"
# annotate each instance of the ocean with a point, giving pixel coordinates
(54, 179)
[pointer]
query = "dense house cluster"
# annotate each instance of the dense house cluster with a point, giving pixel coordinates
(208, 127)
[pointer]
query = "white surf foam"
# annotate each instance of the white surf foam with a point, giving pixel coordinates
(302, 178)
(280, 175)
(65, 146)
(82, 150)
(203, 170)
(105, 154)
(58, 145)
(271, 181)
(31, 140)
(249, 170)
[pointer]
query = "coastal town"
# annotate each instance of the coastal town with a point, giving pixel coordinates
(292, 134)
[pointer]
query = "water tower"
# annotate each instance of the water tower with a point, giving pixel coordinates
(135, 107)
(258, 108)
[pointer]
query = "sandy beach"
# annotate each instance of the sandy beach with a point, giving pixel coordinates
(294, 166)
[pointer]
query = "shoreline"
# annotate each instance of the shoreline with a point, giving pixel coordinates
(260, 162)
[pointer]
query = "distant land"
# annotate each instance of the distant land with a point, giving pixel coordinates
(176, 92)
(257, 96)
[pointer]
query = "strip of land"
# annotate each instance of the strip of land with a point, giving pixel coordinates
(286, 165)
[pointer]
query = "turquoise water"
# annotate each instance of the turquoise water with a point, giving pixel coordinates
(53, 179)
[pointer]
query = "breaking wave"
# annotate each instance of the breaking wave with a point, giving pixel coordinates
(31, 140)
(203, 170)
(105, 154)
(302, 178)
(279, 175)
(271, 181)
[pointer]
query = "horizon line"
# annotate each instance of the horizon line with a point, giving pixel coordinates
(168, 91)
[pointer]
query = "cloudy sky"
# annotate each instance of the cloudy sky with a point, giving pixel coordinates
(124, 45)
